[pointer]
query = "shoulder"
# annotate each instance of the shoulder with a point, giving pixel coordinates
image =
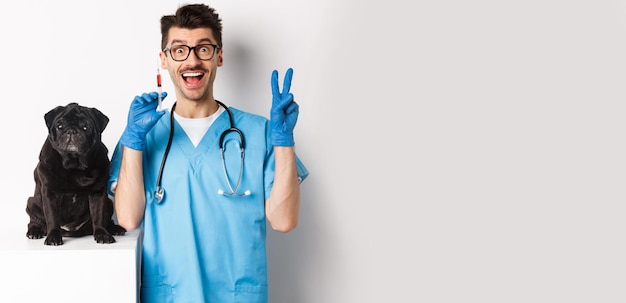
(247, 117)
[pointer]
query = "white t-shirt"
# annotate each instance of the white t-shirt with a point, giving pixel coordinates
(195, 128)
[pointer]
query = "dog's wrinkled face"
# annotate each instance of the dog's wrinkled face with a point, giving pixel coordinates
(74, 129)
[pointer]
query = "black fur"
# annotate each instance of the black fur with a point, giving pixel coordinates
(70, 196)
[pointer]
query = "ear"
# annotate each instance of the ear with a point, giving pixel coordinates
(162, 60)
(98, 117)
(49, 116)
(220, 58)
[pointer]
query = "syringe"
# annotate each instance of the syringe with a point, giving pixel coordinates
(159, 88)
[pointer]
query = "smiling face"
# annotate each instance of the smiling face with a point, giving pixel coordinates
(193, 78)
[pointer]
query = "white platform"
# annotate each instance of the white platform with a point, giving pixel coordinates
(80, 270)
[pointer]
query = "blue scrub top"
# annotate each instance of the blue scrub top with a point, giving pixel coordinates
(198, 245)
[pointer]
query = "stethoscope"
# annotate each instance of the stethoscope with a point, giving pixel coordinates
(159, 192)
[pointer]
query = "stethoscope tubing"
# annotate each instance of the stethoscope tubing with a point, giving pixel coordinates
(160, 192)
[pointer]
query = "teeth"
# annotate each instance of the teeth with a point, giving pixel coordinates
(192, 74)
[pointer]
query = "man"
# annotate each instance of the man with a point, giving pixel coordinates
(182, 177)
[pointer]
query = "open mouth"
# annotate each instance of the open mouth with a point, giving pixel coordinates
(192, 78)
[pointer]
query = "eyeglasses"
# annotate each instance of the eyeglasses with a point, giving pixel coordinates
(181, 52)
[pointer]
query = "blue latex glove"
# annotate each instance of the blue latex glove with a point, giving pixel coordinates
(142, 116)
(284, 112)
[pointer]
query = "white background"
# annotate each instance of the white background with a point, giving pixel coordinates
(460, 151)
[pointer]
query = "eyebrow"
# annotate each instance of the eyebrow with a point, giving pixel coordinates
(201, 41)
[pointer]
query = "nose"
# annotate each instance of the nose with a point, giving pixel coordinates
(193, 56)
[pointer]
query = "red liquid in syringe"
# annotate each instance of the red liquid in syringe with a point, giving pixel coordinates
(159, 88)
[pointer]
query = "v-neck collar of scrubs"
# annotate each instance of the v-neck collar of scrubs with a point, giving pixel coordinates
(208, 142)
(196, 128)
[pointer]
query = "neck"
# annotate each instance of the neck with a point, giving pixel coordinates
(193, 109)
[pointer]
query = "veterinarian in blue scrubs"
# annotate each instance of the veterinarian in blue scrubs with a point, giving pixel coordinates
(181, 176)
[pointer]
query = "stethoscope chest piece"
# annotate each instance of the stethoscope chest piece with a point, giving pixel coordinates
(159, 193)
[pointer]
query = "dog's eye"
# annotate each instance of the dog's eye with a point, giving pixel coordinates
(85, 128)
(60, 126)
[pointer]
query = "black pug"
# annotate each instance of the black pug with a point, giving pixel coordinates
(70, 179)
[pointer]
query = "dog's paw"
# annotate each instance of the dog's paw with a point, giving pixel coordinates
(35, 232)
(103, 237)
(116, 230)
(54, 238)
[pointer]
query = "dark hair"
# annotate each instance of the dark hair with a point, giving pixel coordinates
(192, 16)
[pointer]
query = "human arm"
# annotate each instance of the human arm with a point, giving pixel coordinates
(129, 194)
(130, 198)
(283, 205)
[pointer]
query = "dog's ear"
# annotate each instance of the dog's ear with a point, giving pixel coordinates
(98, 117)
(49, 116)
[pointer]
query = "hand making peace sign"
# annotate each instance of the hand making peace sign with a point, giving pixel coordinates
(284, 112)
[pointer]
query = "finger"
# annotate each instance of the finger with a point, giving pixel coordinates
(282, 102)
(153, 96)
(145, 97)
(293, 107)
(287, 98)
(275, 90)
(287, 81)
(153, 116)
(159, 114)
